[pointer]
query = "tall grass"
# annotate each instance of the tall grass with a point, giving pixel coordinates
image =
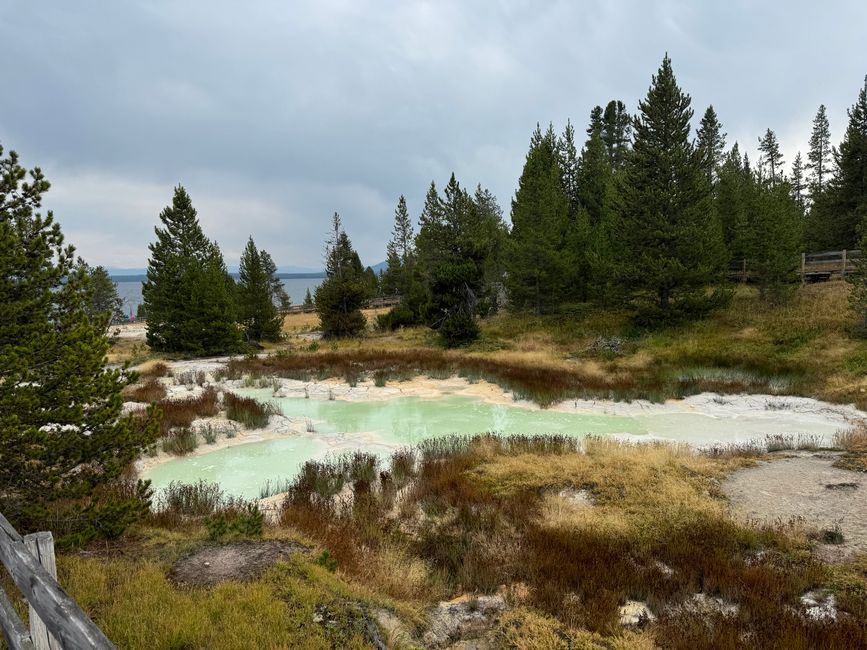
(248, 411)
(180, 413)
(150, 391)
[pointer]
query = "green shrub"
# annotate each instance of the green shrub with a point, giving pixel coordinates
(328, 561)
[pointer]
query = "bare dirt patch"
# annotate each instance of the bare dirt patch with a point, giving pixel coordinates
(240, 561)
(805, 486)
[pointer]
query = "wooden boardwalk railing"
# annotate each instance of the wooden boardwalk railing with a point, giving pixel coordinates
(812, 267)
(56, 621)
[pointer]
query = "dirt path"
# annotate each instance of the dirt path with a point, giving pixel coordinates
(806, 486)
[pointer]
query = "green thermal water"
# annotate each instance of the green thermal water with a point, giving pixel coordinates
(382, 426)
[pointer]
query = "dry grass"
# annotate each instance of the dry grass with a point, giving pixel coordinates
(151, 390)
(249, 412)
(297, 323)
(482, 512)
(180, 413)
(854, 443)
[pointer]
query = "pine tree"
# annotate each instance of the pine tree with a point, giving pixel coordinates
(848, 189)
(278, 291)
(733, 195)
(103, 294)
(189, 297)
(537, 268)
(400, 251)
(595, 121)
(771, 159)
(710, 144)
(308, 299)
(598, 198)
(62, 432)
(616, 133)
(569, 168)
(819, 156)
(258, 314)
(467, 267)
(673, 246)
(342, 294)
(858, 278)
(770, 236)
(797, 183)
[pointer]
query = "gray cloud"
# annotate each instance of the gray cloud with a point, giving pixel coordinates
(276, 114)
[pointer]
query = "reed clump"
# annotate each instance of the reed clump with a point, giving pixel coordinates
(248, 411)
(150, 391)
(180, 413)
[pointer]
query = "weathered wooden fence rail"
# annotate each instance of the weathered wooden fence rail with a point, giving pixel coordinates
(812, 267)
(56, 621)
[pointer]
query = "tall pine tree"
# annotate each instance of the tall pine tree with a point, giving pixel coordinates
(188, 296)
(62, 432)
(673, 247)
(819, 156)
(710, 143)
(342, 294)
(771, 158)
(798, 183)
(537, 268)
(848, 189)
(400, 251)
(258, 313)
(616, 133)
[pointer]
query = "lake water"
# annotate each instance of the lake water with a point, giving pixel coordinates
(381, 426)
(130, 291)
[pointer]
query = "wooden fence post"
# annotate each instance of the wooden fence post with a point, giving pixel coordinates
(41, 546)
(803, 266)
(843, 271)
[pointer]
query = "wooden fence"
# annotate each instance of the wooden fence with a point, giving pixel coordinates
(56, 621)
(813, 267)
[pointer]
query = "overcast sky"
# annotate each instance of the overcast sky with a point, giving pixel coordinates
(274, 115)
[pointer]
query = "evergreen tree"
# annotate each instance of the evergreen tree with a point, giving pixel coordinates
(308, 299)
(258, 314)
(858, 278)
(598, 197)
(569, 168)
(103, 294)
(797, 183)
(462, 282)
(342, 294)
(819, 156)
(62, 432)
(848, 189)
(710, 144)
(595, 121)
(278, 291)
(771, 159)
(189, 297)
(537, 268)
(673, 246)
(616, 133)
(400, 250)
(733, 196)
(770, 236)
